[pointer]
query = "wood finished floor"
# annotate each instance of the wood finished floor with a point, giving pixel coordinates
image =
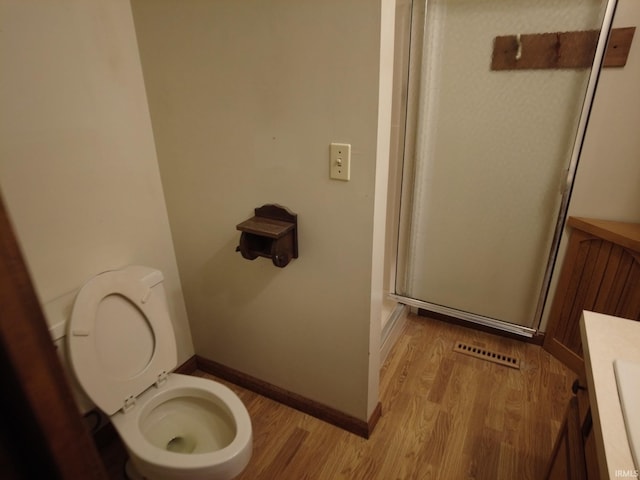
(445, 416)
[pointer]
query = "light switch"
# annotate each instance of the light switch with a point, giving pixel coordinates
(340, 161)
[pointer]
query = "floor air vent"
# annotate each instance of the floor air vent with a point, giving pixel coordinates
(479, 352)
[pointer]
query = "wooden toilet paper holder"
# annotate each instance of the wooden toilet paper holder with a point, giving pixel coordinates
(271, 233)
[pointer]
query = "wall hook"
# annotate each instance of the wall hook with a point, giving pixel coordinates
(519, 43)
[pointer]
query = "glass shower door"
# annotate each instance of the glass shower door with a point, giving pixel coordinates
(487, 155)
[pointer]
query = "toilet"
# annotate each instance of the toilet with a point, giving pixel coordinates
(121, 348)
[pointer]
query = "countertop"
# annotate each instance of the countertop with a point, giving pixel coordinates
(605, 338)
(620, 233)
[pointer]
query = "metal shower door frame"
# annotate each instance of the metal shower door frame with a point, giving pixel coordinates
(408, 170)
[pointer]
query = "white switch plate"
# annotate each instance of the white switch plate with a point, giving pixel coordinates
(340, 161)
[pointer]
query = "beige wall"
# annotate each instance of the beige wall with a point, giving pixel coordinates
(608, 180)
(78, 168)
(607, 183)
(245, 98)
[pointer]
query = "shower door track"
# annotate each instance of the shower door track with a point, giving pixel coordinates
(467, 316)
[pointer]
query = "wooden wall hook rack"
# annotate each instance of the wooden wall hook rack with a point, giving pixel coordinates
(271, 233)
(559, 50)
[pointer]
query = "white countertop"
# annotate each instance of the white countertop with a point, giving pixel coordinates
(604, 339)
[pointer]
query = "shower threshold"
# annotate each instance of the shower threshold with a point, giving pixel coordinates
(512, 328)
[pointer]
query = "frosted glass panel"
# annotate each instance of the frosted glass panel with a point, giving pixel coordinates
(492, 149)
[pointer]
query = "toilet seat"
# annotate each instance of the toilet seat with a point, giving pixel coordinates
(120, 338)
(130, 426)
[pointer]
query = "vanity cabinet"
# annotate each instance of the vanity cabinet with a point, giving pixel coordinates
(574, 454)
(600, 273)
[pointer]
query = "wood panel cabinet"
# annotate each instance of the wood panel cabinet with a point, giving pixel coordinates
(574, 455)
(601, 273)
(567, 460)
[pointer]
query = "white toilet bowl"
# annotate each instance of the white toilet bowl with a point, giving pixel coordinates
(121, 345)
(192, 428)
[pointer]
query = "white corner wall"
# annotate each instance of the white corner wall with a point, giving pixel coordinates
(607, 184)
(245, 98)
(78, 169)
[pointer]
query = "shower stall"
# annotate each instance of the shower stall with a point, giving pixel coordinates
(497, 107)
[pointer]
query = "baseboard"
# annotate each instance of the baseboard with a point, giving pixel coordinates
(190, 366)
(565, 355)
(293, 400)
(373, 419)
(538, 338)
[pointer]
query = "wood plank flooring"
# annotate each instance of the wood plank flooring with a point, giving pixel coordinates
(445, 416)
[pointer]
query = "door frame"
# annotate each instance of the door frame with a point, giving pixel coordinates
(43, 432)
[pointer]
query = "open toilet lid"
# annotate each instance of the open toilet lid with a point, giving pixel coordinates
(120, 339)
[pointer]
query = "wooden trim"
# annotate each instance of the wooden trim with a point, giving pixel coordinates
(43, 434)
(618, 47)
(374, 418)
(537, 339)
(625, 234)
(559, 50)
(565, 355)
(293, 400)
(188, 367)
